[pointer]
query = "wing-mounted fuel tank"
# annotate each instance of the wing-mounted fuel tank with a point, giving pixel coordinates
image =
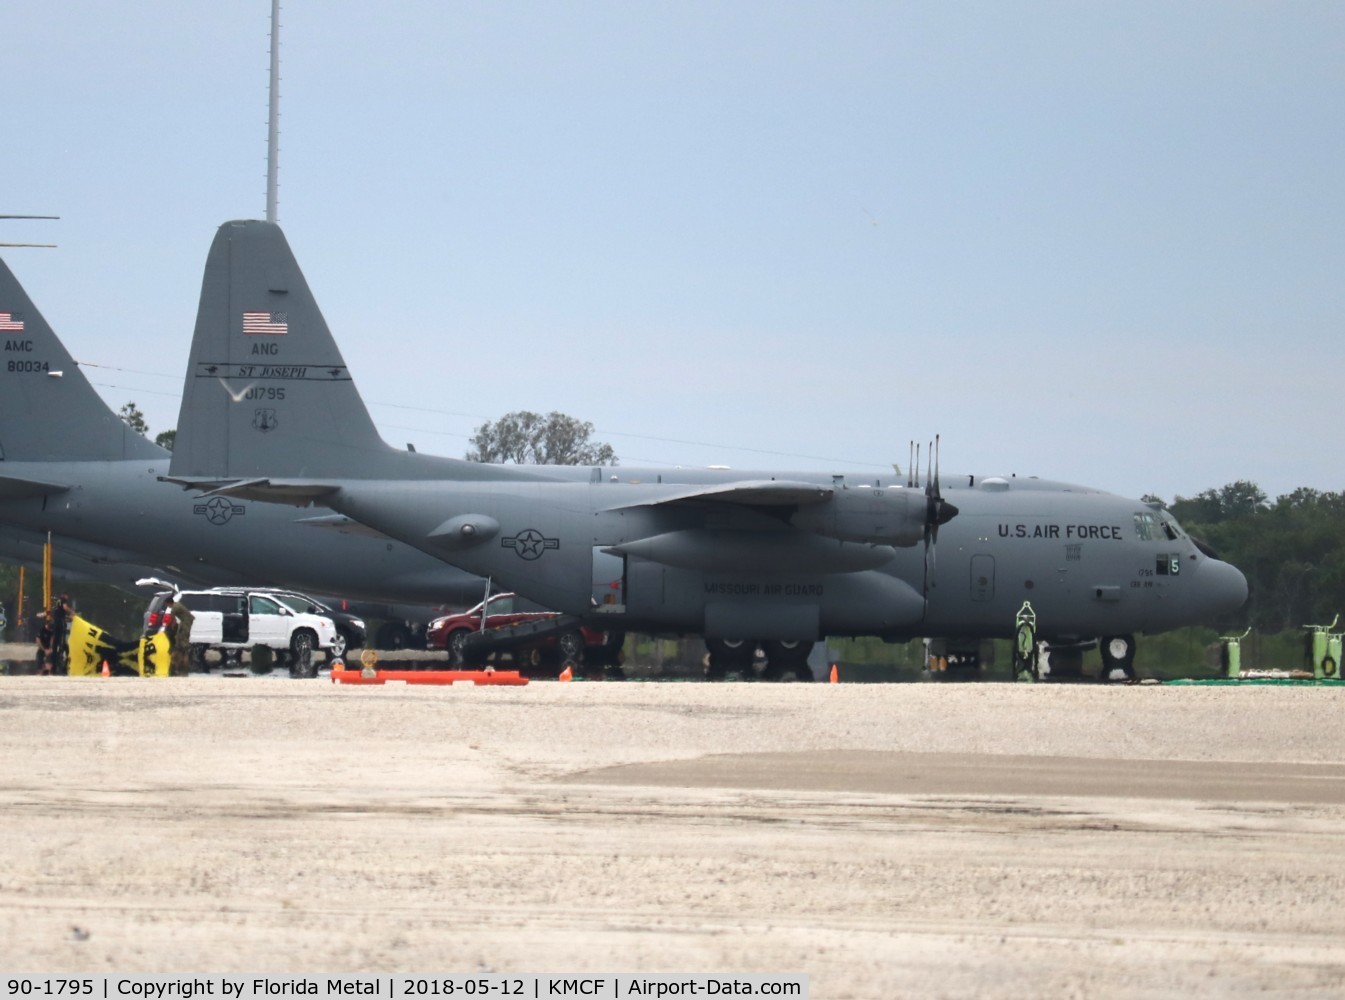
(878, 515)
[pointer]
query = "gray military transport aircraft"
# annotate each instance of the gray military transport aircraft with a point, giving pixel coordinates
(270, 412)
(72, 467)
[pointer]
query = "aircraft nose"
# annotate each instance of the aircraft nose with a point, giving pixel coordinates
(1223, 587)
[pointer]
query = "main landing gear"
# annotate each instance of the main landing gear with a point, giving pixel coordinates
(786, 659)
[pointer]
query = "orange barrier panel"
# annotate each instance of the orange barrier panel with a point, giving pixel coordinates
(478, 677)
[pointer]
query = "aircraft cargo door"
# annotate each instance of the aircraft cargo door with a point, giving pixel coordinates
(982, 578)
(609, 581)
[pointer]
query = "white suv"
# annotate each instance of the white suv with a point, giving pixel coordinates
(234, 619)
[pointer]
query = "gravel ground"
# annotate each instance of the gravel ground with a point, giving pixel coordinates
(988, 840)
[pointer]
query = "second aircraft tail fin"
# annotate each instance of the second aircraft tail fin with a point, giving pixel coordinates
(48, 410)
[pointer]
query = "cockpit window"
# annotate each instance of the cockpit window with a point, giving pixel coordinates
(1171, 527)
(1157, 527)
(1147, 527)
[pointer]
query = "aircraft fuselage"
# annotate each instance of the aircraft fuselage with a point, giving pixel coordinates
(1090, 563)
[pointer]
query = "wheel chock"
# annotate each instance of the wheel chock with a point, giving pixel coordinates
(477, 677)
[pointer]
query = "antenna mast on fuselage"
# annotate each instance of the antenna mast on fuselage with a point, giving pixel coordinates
(273, 131)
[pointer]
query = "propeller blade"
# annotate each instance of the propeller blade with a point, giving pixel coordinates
(937, 511)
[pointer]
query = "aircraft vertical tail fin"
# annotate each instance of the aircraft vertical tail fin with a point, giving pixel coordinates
(268, 394)
(48, 410)
(267, 390)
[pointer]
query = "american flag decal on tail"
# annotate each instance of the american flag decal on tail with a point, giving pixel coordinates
(9, 323)
(271, 324)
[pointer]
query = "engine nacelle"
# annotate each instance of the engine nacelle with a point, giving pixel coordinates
(891, 515)
(716, 551)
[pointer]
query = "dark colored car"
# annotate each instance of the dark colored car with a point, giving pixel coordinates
(592, 646)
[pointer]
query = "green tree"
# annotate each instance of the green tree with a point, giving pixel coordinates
(1292, 551)
(166, 439)
(134, 418)
(529, 438)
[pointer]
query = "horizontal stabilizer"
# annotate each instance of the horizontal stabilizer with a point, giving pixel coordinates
(297, 493)
(13, 488)
(751, 493)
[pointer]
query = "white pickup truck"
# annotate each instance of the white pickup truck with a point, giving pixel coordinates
(232, 619)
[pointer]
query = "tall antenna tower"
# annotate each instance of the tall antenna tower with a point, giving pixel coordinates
(273, 131)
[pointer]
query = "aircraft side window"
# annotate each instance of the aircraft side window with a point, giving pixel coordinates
(1146, 526)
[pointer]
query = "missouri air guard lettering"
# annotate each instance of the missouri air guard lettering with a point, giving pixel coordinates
(769, 558)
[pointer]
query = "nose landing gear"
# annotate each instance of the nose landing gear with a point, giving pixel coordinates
(1118, 658)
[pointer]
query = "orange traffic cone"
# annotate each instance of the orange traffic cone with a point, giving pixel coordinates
(567, 674)
(835, 675)
(107, 670)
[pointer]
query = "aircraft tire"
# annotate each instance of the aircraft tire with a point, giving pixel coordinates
(787, 659)
(729, 654)
(1118, 654)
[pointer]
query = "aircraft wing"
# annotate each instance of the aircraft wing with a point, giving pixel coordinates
(748, 493)
(297, 493)
(15, 488)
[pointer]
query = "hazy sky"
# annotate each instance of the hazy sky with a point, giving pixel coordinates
(1100, 242)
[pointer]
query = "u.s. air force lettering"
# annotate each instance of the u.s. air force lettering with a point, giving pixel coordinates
(1076, 532)
(530, 543)
(217, 510)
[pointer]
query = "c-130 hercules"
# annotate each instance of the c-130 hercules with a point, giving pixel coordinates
(270, 412)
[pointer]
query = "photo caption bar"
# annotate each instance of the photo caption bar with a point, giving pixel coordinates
(401, 986)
